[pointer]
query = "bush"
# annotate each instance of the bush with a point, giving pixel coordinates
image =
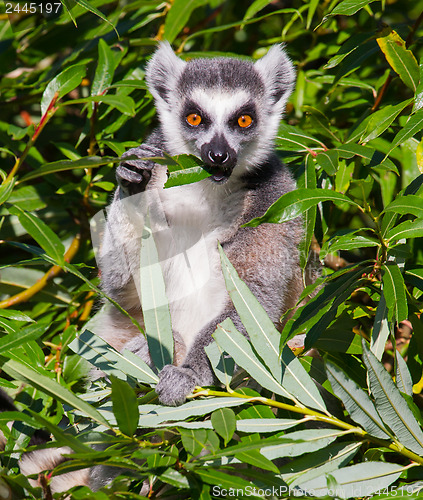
(73, 100)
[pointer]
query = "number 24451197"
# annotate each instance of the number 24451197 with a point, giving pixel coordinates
(33, 7)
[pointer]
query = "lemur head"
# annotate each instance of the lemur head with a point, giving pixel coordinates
(225, 110)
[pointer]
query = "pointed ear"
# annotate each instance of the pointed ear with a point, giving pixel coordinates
(163, 70)
(277, 73)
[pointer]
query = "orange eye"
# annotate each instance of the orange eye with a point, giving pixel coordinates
(245, 121)
(194, 119)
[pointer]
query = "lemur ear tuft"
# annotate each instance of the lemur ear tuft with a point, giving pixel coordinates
(278, 73)
(163, 70)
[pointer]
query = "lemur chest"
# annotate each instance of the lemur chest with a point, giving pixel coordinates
(186, 234)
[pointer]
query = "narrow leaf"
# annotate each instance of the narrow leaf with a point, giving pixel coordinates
(178, 16)
(155, 305)
(63, 83)
(394, 292)
(105, 68)
(318, 463)
(104, 357)
(356, 401)
(410, 204)
(125, 407)
(41, 233)
(412, 127)
(401, 60)
(402, 375)
(152, 415)
(407, 229)
(24, 373)
(292, 204)
(31, 332)
(60, 166)
(360, 480)
(391, 406)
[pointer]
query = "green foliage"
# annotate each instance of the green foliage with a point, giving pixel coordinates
(73, 101)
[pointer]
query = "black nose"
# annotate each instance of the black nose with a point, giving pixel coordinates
(218, 154)
(218, 157)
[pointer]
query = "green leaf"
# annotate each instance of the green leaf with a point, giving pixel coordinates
(410, 204)
(359, 480)
(152, 415)
(356, 401)
(263, 425)
(407, 229)
(402, 375)
(186, 170)
(381, 329)
(178, 16)
(299, 442)
(294, 139)
(349, 7)
(413, 126)
(318, 463)
(63, 83)
(390, 405)
(62, 438)
(104, 357)
(394, 292)
(381, 120)
(224, 423)
(237, 346)
(328, 160)
(86, 5)
(105, 69)
(15, 315)
(125, 407)
(24, 373)
(401, 60)
(42, 234)
(155, 305)
(290, 205)
(374, 157)
(256, 459)
(255, 7)
(123, 103)
(60, 166)
(31, 332)
(223, 365)
(347, 242)
(6, 190)
(263, 334)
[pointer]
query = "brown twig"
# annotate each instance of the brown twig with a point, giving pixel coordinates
(42, 282)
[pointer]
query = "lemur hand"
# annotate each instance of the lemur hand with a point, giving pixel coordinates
(133, 175)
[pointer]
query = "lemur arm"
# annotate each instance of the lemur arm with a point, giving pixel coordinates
(133, 176)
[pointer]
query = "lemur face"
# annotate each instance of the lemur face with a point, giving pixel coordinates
(226, 111)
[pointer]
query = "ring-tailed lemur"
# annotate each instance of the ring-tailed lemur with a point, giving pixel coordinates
(226, 111)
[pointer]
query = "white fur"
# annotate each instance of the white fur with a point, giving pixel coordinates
(186, 225)
(41, 460)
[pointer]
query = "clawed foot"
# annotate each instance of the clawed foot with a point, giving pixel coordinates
(175, 384)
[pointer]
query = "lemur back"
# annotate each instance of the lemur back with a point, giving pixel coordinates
(227, 112)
